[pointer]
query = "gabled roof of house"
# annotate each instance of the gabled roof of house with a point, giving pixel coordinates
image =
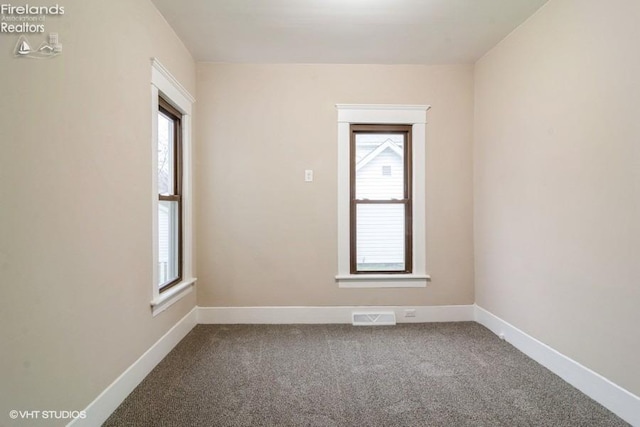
(379, 149)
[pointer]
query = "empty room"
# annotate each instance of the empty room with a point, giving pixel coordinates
(320, 213)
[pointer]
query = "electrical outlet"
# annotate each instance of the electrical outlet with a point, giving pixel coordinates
(308, 175)
(410, 312)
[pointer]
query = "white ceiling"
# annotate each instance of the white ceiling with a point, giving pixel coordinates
(344, 31)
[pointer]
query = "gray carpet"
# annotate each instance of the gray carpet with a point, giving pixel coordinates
(438, 374)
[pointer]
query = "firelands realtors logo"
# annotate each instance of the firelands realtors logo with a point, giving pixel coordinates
(30, 19)
(27, 18)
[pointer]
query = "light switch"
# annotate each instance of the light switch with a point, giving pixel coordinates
(308, 175)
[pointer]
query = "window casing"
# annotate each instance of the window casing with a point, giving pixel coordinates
(414, 272)
(171, 189)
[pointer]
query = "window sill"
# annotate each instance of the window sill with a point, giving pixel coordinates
(383, 280)
(171, 296)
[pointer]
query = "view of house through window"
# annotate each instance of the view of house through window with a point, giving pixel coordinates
(169, 196)
(380, 199)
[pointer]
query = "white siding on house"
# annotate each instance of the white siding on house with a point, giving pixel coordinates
(380, 235)
(372, 184)
(167, 235)
(380, 230)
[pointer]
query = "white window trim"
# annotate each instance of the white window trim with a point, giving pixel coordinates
(163, 83)
(416, 116)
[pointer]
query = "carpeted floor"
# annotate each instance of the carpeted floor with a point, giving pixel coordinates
(437, 374)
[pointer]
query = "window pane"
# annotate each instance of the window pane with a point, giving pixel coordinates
(168, 241)
(380, 237)
(379, 164)
(165, 154)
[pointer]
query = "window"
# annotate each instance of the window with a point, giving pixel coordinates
(171, 215)
(380, 212)
(169, 195)
(381, 196)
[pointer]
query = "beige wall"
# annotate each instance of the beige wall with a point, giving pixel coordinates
(75, 210)
(557, 182)
(267, 238)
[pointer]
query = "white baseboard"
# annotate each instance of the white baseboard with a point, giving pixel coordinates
(107, 402)
(621, 402)
(300, 315)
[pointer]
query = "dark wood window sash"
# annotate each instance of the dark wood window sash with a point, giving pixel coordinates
(406, 200)
(175, 115)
